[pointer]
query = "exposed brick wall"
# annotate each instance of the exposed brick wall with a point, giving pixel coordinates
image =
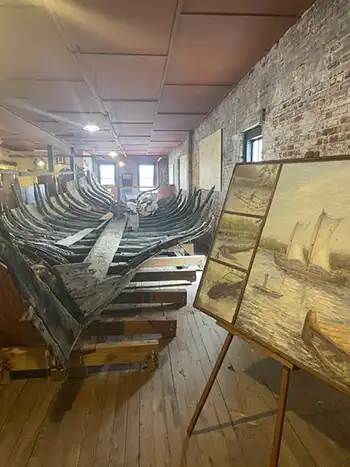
(303, 83)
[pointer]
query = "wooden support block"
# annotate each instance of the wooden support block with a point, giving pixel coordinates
(152, 296)
(24, 358)
(110, 353)
(183, 261)
(165, 274)
(132, 326)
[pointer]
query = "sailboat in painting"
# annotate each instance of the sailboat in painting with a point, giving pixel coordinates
(316, 264)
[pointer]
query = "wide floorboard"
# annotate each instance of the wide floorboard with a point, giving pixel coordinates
(135, 418)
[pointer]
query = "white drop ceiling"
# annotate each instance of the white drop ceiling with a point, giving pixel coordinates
(147, 72)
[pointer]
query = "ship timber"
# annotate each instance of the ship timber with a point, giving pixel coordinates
(59, 250)
(316, 266)
(329, 342)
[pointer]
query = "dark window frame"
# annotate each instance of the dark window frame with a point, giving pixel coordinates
(250, 136)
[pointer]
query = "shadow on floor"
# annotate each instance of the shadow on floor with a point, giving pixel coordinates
(327, 409)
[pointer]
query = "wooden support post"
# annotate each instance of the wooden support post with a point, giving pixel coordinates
(277, 440)
(50, 159)
(72, 161)
(209, 384)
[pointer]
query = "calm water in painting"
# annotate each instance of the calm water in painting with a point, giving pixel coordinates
(285, 314)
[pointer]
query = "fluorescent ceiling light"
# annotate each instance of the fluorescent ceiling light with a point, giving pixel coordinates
(91, 127)
(113, 154)
(41, 163)
(121, 164)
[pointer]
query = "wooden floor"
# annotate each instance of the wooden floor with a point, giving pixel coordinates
(137, 419)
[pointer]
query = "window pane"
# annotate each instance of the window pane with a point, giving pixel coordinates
(107, 174)
(256, 150)
(146, 175)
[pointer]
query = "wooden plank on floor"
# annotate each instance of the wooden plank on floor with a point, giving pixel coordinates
(17, 419)
(132, 445)
(64, 430)
(90, 439)
(102, 253)
(25, 444)
(105, 435)
(118, 436)
(8, 399)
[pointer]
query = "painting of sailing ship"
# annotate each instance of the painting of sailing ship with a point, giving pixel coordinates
(219, 290)
(297, 298)
(251, 188)
(235, 239)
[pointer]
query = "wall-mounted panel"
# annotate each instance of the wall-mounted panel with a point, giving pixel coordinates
(210, 155)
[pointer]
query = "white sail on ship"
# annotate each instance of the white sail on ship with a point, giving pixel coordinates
(320, 241)
(319, 248)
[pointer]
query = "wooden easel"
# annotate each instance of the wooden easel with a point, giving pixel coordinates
(287, 367)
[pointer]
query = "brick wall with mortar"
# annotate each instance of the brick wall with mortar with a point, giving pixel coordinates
(303, 83)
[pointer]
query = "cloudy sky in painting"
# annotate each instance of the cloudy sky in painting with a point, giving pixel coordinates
(305, 189)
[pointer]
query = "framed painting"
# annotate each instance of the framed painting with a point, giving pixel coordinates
(210, 155)
(294, 254)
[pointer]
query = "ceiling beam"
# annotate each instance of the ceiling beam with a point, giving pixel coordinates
(31, 131)
(174, 28)
(260, 15)
(122, 54)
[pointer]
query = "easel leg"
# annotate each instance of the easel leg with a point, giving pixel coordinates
(276, 447)
(209, 384)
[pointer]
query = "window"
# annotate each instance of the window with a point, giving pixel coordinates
(146, 176)
(253, 144)
(107, 174)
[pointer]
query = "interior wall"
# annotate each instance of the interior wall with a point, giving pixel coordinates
(131, 163)
(303, 83)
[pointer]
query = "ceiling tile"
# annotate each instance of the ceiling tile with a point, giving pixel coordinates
(203, 36)
(36, 49)
(72, 122)
(178, 121)
(133, 129)
(285, 7)
(199, 99)
(117, 26)
(52, 96)
(162, 144)
(126, 77)
(26, 112)
(169, 136)
(132, 111)
(134, 139)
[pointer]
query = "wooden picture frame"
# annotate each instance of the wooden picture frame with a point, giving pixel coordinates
(297, 325)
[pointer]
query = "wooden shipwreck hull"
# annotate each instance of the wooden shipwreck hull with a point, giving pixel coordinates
(60, 250)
